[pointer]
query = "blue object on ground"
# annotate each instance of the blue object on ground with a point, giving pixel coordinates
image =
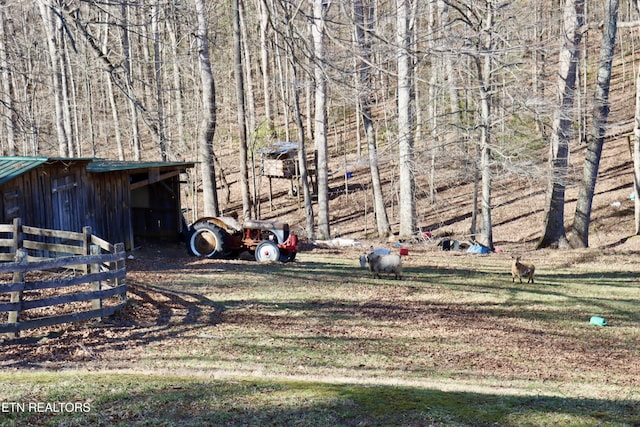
(478, 249)
(598, 321)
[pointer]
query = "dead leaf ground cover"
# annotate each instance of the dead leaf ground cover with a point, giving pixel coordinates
(455, 324)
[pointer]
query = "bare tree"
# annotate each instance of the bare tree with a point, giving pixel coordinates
(116, 71)
(407, 208)
(320, 120)
(157, 74)
(113, 104)
(290, 39)
(52, 27)
(264, 61)
(242, 126)
(636, 146)
(436, 74)
(7, 88)
(127, 82)
(302, 158)
(178, 70)
(250, 109)
(207, 132)
(554, 231)
(454, 101)
(485, 68)
(581, 220)
(364, 26)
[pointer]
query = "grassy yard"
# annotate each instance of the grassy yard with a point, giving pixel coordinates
(320, 342)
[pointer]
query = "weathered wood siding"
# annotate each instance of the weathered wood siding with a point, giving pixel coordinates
(111, 207)
(53, 195)
(118, 200)
(64, 196)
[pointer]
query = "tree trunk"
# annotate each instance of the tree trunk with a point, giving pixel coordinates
(157, 73)
(432, 98)
(250, 111)
(554, 232)
(206, 154)
(128, 83)
(454, 99)
(242, 126)
(302, 159)
(636, 158)
(295, 87)
(55, 52)
(473, 229)
(7, 89)
(320, 128)
(484, 65)
(363, 40)
(264, 60)
(407, 206)
(115, 115)
(250, 101)
(68, 93)
(636, 147)
(174, 28)
(580, 230)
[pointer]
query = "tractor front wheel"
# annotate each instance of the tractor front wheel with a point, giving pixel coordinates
(267, 251)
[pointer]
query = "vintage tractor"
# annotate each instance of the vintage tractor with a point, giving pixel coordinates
(225, 237)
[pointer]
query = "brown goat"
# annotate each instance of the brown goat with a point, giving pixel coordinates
(522, 269)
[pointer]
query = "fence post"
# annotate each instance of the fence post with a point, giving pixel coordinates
(17, 234)
(86, 239)
(18, 277)
(96, 304)
(86, 244)
(119, 248)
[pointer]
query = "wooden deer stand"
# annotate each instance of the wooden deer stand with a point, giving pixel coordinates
(280, 160)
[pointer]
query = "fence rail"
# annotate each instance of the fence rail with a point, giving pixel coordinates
(49, 277)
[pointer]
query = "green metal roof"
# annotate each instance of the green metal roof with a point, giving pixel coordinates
(101, 165)
(13, 166)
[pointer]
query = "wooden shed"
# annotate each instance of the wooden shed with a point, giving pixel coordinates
(118, 200)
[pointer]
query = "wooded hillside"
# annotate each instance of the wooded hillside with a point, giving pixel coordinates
(448, 102)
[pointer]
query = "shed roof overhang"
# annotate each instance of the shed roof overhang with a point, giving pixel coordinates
(146, 173)
(102, 166)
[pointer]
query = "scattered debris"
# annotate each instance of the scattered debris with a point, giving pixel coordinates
(337, 242)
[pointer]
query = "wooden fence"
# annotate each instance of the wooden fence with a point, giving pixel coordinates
(49, 277)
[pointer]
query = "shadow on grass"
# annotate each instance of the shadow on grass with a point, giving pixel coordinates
(177, 307)
(151, 314)
(145, 401)
(556, 290)
(521, 299)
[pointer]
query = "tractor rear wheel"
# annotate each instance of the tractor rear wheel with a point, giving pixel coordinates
(207, 240)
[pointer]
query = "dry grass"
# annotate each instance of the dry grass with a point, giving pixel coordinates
(456, 329)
